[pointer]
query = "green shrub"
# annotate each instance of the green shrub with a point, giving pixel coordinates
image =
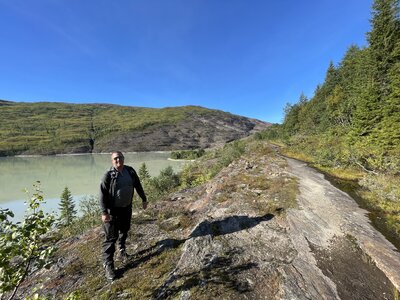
(90, 216)
(200, 172)
(188, 154)
(273, 132)
(164, 183)
(23, 246)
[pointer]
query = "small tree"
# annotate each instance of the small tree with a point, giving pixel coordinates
(164, 183)
(144, 174)
(67, 208)
(23, 246)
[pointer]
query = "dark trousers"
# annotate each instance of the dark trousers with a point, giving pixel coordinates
(116, 231)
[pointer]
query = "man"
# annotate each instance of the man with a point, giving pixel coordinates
(116, 192)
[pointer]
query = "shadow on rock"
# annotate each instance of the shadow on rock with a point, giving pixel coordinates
(214, 228)
(218, 273)
(147, 254)
(228, 225)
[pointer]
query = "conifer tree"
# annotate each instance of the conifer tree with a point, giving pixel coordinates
(303, 119)
(67, 208)
(144, 172)
(352, 78)
(382, 39)
(359, 101)
(291, 122)
(331, 78)
(390, 129)
(391, 120)
(374, 117)
(317, 108)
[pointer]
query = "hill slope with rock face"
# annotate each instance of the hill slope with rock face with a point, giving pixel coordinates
(51, 128)
(264, 228)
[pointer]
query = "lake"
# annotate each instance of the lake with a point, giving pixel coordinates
(80, 173)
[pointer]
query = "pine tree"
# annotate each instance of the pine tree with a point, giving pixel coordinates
(144, 174)
(331, 78)
(291, 122)
(318, 108)
(391, 120)
(353, 76)
(67, 208)
(382, 40)
(374, 126)
(359, 101)
(390, 129)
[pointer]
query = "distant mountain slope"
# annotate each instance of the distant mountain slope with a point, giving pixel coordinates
(50, 128)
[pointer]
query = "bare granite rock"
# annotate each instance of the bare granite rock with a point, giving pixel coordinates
(196, 131)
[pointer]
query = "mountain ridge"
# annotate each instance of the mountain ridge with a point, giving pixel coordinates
(56, 127)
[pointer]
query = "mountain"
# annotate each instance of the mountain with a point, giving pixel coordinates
(51, 128)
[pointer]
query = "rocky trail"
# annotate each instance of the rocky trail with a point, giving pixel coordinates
(324, 248)
(265, 228)
(346, 257)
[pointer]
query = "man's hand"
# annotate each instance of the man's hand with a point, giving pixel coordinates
(106, 218)
(144, 205)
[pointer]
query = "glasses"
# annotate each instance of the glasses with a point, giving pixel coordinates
(118, 157)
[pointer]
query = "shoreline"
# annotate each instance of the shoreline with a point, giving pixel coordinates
(175, 159)
(82, 153)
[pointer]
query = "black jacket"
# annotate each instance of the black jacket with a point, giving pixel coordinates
(107, 188)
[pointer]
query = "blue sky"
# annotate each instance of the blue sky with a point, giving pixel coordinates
(247, 57)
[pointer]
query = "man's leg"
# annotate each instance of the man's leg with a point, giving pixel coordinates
(125, 217)
(111, 236)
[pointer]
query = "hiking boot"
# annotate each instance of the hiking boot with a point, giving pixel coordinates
(110, 272)
(123, 256)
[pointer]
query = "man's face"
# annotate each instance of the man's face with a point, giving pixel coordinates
(117, 160)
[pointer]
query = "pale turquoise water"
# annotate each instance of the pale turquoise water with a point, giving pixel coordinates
(80, 173)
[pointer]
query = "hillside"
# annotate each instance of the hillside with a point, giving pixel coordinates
(353, 118)
(264, 228)
(51, 128)
(350, 127)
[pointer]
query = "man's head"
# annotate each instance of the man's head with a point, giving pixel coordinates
(117, 159)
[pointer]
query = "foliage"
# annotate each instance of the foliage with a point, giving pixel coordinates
(354, 116)
(188, 154)
(384, 194)
(194, 175)
(162, 184)
(197, 173)
(23, 245)
(76, 295)
(273, 132)
(67, 208)
(144, 174)
(90, 216)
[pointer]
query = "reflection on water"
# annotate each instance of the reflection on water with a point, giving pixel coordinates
(80, 173)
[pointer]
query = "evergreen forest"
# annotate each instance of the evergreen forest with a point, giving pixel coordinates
(350, 128)
(353, 118)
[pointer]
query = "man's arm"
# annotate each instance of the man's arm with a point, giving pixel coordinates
(139, 188)
(104, 196)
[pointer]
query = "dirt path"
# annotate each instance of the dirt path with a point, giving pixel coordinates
(336, 235)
